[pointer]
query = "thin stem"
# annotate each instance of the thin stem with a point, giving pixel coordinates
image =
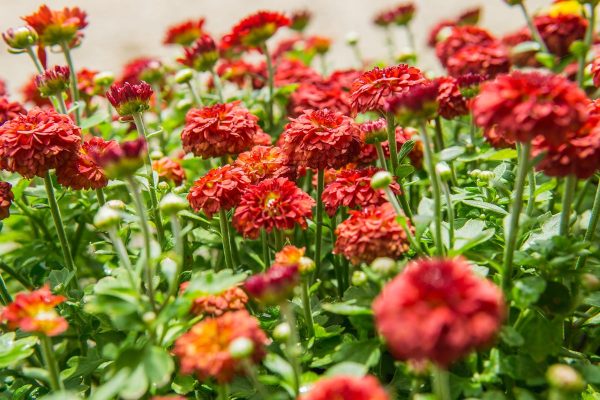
(53, 372)
(271, 85)
(319, 220)
(179, 253)
(225, 238)
(265, 248)
(391, 134)
(223, 391)
(218, 85)
(389, 41)
(441, 383)
(74, 85)
(323, 62)
(381, 157)
(35, 59)
(531, 199)
(447, 195)
(139, 124)
(567, 201)
(439, 135)
(62, 106)
(58, 224)
(235, 254)
(591, 228)
(392, 199)
(308, 318)
(435, 190)
(100, 196)
(141, 211)
(358, 55)
(411, 38)
(15, 275)
(119, 248)
(4, 293)
(515, 213)
(293, 343)
(195, 97)
(532, 28)
(589, 34)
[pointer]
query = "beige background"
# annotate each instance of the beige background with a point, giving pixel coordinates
(122, 29)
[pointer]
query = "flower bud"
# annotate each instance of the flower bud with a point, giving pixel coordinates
(123, 160)
(116, 205)
(20, 38)
(381, 180)
(184, 76)
(104, 79)
(352, 38)
(306, 265)
(241, 348)
(374, 131)
(184, 104)
(107, 217)
(163, 186)
(384, 266)
(359, 278)
(443, 171)
(475, 173)
(487, 175)
(590, 281)
(53, 81)
(171, 204)
(156, 154)
(149, 317)
(273, 286)
(281, 333)
(130, 98)
(179, 189)
(565, 378)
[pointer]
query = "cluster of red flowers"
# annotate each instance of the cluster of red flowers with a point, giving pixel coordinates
(83, 172)
(215, 305)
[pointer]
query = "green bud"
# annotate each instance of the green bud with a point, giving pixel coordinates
(241, 348)
(381, 180)
(20, 38)
(565, 378)
(179, 189)
(384, 266)
(359, 278)
(352, 38)
(116, 205)
(487, 175)
(281, 333)
(163, 186)
(184, 76)
(156, 155)
(107, 217)
(444, 171)
(184, 104)
(104, 79)
(475, 173)
(590, 281)
(149, 317)
(172, 204)
(306, 265)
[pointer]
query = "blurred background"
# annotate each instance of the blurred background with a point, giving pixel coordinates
(120, 30)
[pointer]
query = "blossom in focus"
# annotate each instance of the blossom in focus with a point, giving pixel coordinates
(201, 55)
(130, 98)
(83, 172)
(184, 33)
(6, 199)
(10, 109)
(219, 130)
(56, 27)
(32, 144)
(438, 310)
(371, 233)
(272, 204)
(35, 312)
(254, 30)
(169, 169)
(274, 285)
(263, 162)
(215, 305)
(204, 349)
(341, 387)
(220, 189)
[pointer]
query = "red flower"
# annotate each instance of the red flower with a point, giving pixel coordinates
(86, 85)
(299, 19)
(169, 169)
(523, 58)
(130, 98)
(341, 387)
(488, 59)
(204, 349)
(220, 189)
(142, 69)
(82, 172)
(368, 153)
(34, 143)
(263, 162)
(319, 44)
(236, 71)
(215, 305)
(123, 159)
(184, 33)
(560, 31)
(370, 90)
(417, 103)
(344, 78)
(6, 199)
(401, 14)
(434, 34)
(273, 286)
(58, 26)
(595, 70)
(10, 109)
(202, 55)
(497, 139)
(293, 256)
(451, 102)
(256, 29)
(523, 105)
(219, 130)
(460, 37)
(319, 95)
(272, 204)
(262, 139)
(352, 188)
(287, 72)
(32, 95)
(371, 233)
(438, 310)
(53, 81)
(321, 139)
(35, 312)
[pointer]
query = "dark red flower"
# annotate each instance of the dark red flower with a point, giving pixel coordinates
(237, 71)
(85, 83)
(53, 81)
(32, 144)
(342, 387)
(219, 130)
(220, 189)
(262, 139)
(130, 98)
(401, 14)
(373, 87)
(274, 285)
(58, 26)
(32, 95)
(299, 19)
(184, 33)
(451, 101)
(344, 78)
(560, 31)
(202, 55)
(10, 109)
(215, 305)
(438, 310)
(521, 106)
(419, 102)
(119, 160)
(371, 233)
(6, 199)
(169, 169)
(275, 203)
(319, 95)
(83, 172)
(434, 34)
(352, 189)
(595, 71)
(146, 69)
(487, 59)
(497, 139)
(321, 139)
(264, 162)
(3, 89)
(254, 30)
(460, 37)
(289, 72)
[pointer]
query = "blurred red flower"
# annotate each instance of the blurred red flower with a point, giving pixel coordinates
(201, 55)
(215, 305)
(490, 60)
(274, 285)
(451, 102)
(256, 29)
(460, 37)
(6, 199)
(264, 162)
(169, 169)
(10, 109)
(184, 33)
(342, 387)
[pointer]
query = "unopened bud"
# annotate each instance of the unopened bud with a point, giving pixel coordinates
(487, 175)
(156, 154)
(281, 333)
(565, 378)
(381, 180)
(172, 204)
(20, 38)
(352, 38)
(359, 278)
(475, 173)
(444, 171)
(104, 79)
(163, 186)
(306, 265)
(184, 76)
(149, 317)
(107, 217)
(116, 205)
(384, 266)
(241, 348)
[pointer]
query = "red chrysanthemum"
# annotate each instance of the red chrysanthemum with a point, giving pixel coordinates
(344, 78)
(497, 139)
(202, 55)
(237, 71)
(523, 105)
(184, 33)
(33, 143)
(352, 188)
(35, 312)
(204, 349)
(219, 130)
(371, 233)
(321, 139)
(293, 256)
(460, 37)
(85, 83)
(220, 189)
(58, 26)
(215, 305)
(319, 95)
(451, 102)
(6, 199)
(433, 38)
(142, 69)
(438, 310)
(370, 90)
(368, 153)
(264, 162)
(10, 109)
(342, 387)
(488, 59)
(595, 71)
(169, 169)
(262, 139)
(130, 98)
(274, 285)
(256, 29)
(53, 81)
(119, 160)
(272, 204)
(560, 31)
(82, 172)
(287, 72)
(32, 95)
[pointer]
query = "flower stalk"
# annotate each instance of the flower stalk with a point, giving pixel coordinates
(56, 383)
(292, 346)
(58, 224)
(270, 83)
(73, 76)
(225, 238)
(435, 190)
(307, 308)
(319, 221)
(591, 228)
(567, 201)
(441, 383)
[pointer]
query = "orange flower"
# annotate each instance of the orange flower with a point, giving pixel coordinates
(214, 305)
(346, 388)
(10, 109)
(58, 26)
(83, 172)
(86, 85)
(6, 198)
(184, 33)
(35, 312)
(204, 350)
(272, 204)
(263, 162)
(36, 142)
(293, 256)
(169, 169)
(371, 233)
(256, 29)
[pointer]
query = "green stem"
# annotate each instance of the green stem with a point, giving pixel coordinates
(225, 238)
(4, 293)
(35, 59)
(358, 55)
(531, 199)
(381, 157)
(435, 190)
(119, 248)
(447, 195)
(16, 276)
(439, 135)
(278, 239)
(308, 318)
(323, 61)
(293, 344)
(515, 213)
(589, 34)
(271, 85)
(74, 86)
(441, 383)
(389, 41)
(319, 222)
(591, 228)
(392, 199)
(195, 97)
(532, 28)
(179, 254)
(58, 224)
(139, 124)
(567, 201)
(223, 391)
(265, 248)
(391, 134)
(53, 372)
(218, 85)
(235, 254)
(100, 196)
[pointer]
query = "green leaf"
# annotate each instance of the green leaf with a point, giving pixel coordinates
(511, 337)
(578, 48)
(347, 369)
(346, 308)
(546, 59)
(365, 352)
(403, 171)
(593, 299)
(405, 149)
(210, 282)
(500, 155)
(12, 350)
(94, 120)
(280, 366)
(543, 337)
(485, 206)
(472, 233)
(527, 291)
(451, 153)
(525, 47)
(158, 366)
